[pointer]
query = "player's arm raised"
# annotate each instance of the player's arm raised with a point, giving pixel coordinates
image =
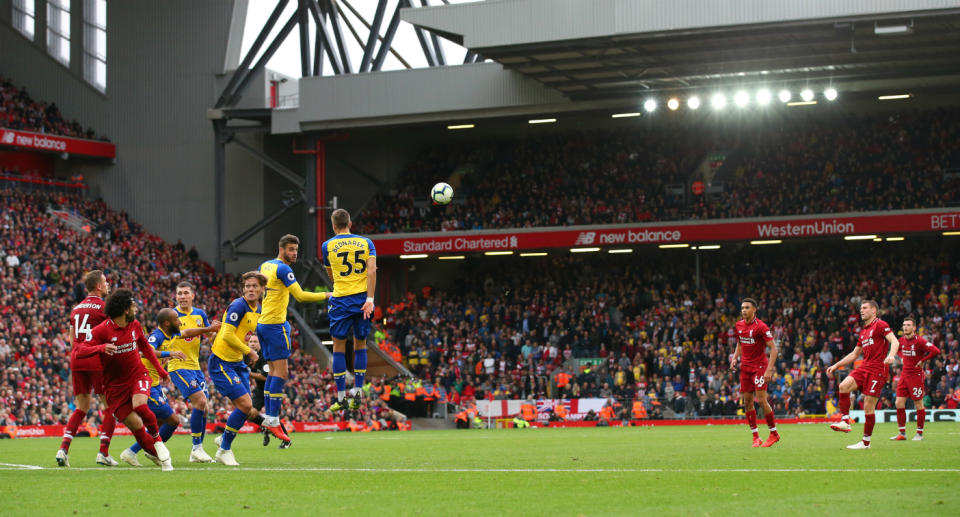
(371, 287)
(847, 359)
(194, 332)
(894, 347)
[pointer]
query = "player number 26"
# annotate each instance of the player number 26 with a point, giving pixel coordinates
(917, 392)
(359, 265)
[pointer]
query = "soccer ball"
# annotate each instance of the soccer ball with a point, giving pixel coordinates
(441, 193)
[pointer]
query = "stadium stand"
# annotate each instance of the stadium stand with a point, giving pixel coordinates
(826, 163)
(18, 110)
(42, 262)
(664, 341)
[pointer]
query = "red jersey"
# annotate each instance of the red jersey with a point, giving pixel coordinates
(124, 366)
(873, 340)
(914, 350)
(84, 317)
(753, 338)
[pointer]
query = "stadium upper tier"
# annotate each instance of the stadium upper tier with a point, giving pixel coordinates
(20, 111)
(824, 163)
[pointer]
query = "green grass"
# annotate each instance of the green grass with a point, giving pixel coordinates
(655, 471)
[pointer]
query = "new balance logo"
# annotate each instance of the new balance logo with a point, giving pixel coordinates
(585, 238)
(7, 137)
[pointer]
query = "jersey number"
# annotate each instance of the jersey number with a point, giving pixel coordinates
(143, 385)
(359, 264)
(918, 393)
(873, 385)
(82, 327)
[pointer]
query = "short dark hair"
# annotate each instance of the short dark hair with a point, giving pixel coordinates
(92, 280)
(340, 219)
(187, 284)
(254, 274)
(751, 301)
(118, 303)
(166, 315)
(910, 318)
(289, 239)
(874, 304)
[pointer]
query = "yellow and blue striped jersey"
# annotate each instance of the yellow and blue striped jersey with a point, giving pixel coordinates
(346, 255)
(195, 319)
(238, 320)
(157, 339)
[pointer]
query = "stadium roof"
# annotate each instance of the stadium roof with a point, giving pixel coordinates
(616, 48)
(569, 55)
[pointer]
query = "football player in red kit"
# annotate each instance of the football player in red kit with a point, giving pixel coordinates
(756, 371)
(119, 341)
(871, 376)
(87, 373)
(914, 351)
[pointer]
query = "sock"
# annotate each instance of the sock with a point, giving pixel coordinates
(276, 396)
(868, 428)
(166, 431)
(149, 419)
(771, 423)
(203, 427)
(752, 422)
(106, 433)
(902, 420)
(268, 392)
(196, 427)
(257, 419)
(145, 440)
(340, 374)
(76, 418)
(845, 406)
(921, 416)
(359, 367)
(234, 423)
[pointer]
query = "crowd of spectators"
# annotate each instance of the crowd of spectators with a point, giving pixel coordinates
(18, 110)
(41, 265)
(654, 336)
(827, 163)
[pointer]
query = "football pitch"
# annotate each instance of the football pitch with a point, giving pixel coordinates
(708, 470)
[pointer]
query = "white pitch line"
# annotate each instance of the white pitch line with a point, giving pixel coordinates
(20, 467)
(11, 466)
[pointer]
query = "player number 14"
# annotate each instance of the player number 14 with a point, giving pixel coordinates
(82, 327)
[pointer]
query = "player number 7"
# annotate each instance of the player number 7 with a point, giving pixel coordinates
(873, 385)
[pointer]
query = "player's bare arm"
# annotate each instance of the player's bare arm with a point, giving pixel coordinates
(371, 287)
(771, 364)
(736, 357)
(894, 347)
(848, 359)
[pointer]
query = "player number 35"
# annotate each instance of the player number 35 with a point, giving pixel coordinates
(359, 265)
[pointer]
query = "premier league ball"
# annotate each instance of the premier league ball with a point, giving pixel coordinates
(441, 194)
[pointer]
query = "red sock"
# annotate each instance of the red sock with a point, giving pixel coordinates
(145, 440)
(752, 422)
(902, 420)
(845, 406)
(149, 419)
(106, 433)
(771, 423)
(868, 428)
(76, 418)
(921, 416)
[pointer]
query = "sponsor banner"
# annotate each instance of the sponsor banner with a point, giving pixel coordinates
(42, 181)
(57, 144)
(576, 408)
(48, 431)
(656, 423)
(890, 415)
(768, 228)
